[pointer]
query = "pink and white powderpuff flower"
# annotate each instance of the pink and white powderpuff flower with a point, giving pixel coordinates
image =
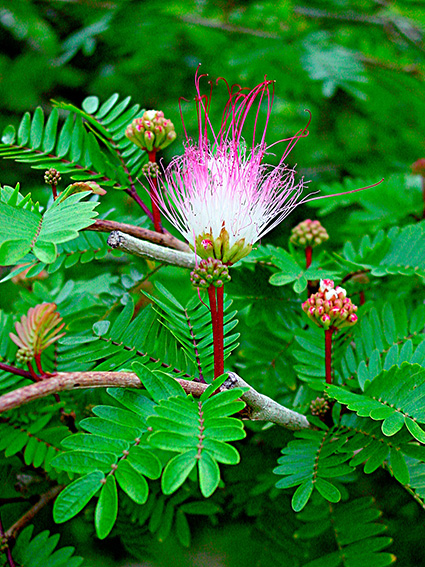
(220, 194)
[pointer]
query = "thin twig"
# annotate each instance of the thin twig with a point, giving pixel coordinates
(127, 243)
(14, 370)
(165, 239)
(45, 498)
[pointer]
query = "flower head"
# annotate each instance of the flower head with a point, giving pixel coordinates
(220, 194)
(152, 131)
(309, 233)
(330, 307)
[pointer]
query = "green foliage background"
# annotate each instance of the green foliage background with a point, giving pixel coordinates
(359, 68)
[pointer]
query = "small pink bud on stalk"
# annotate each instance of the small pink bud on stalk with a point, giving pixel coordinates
(331, 309)
(52, 178)
(210, 272)
(152, 132)
(308, 234)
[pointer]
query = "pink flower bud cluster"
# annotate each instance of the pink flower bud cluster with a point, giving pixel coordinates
(330, 307)
(309, 233)
(151, 131)
(210, 271)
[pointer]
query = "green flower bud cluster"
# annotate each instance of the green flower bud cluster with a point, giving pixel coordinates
(151, 169)
(24, 355)
(309, 233)
(151, 131)
(330, 307)
(52, 176)
(319, 407)
(210, 272)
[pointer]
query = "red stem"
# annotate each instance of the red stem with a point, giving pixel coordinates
(218, 345)
(37, 359)
(328, 355)
(133, 194)
(220, 330)
(34, 376)
(14, 370)
(55, 193)
(308, 256)
(155, 211)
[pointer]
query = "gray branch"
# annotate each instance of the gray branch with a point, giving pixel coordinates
(144, 249)
(263, 408)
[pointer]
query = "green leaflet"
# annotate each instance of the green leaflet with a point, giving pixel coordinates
(292, 271)
(106, 508)
(83, 462)
(40, 550)
(399, 251)
(132, 482)
(177, 470)
(158, 389)
(396, 391)
(145, 462)
(76, 495)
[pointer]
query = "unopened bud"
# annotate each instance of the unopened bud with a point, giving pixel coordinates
(52, 176)
(151, 169)
(309, 233)
(151, 131)
(330, 307)
(217, 274)
(319, 407)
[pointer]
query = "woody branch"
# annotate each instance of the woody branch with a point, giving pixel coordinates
(259, 406)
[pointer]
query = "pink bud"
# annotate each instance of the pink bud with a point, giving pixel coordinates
(206, 243)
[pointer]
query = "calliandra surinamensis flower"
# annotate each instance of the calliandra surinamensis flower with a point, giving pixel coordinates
(220, 195)
(37, 330)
